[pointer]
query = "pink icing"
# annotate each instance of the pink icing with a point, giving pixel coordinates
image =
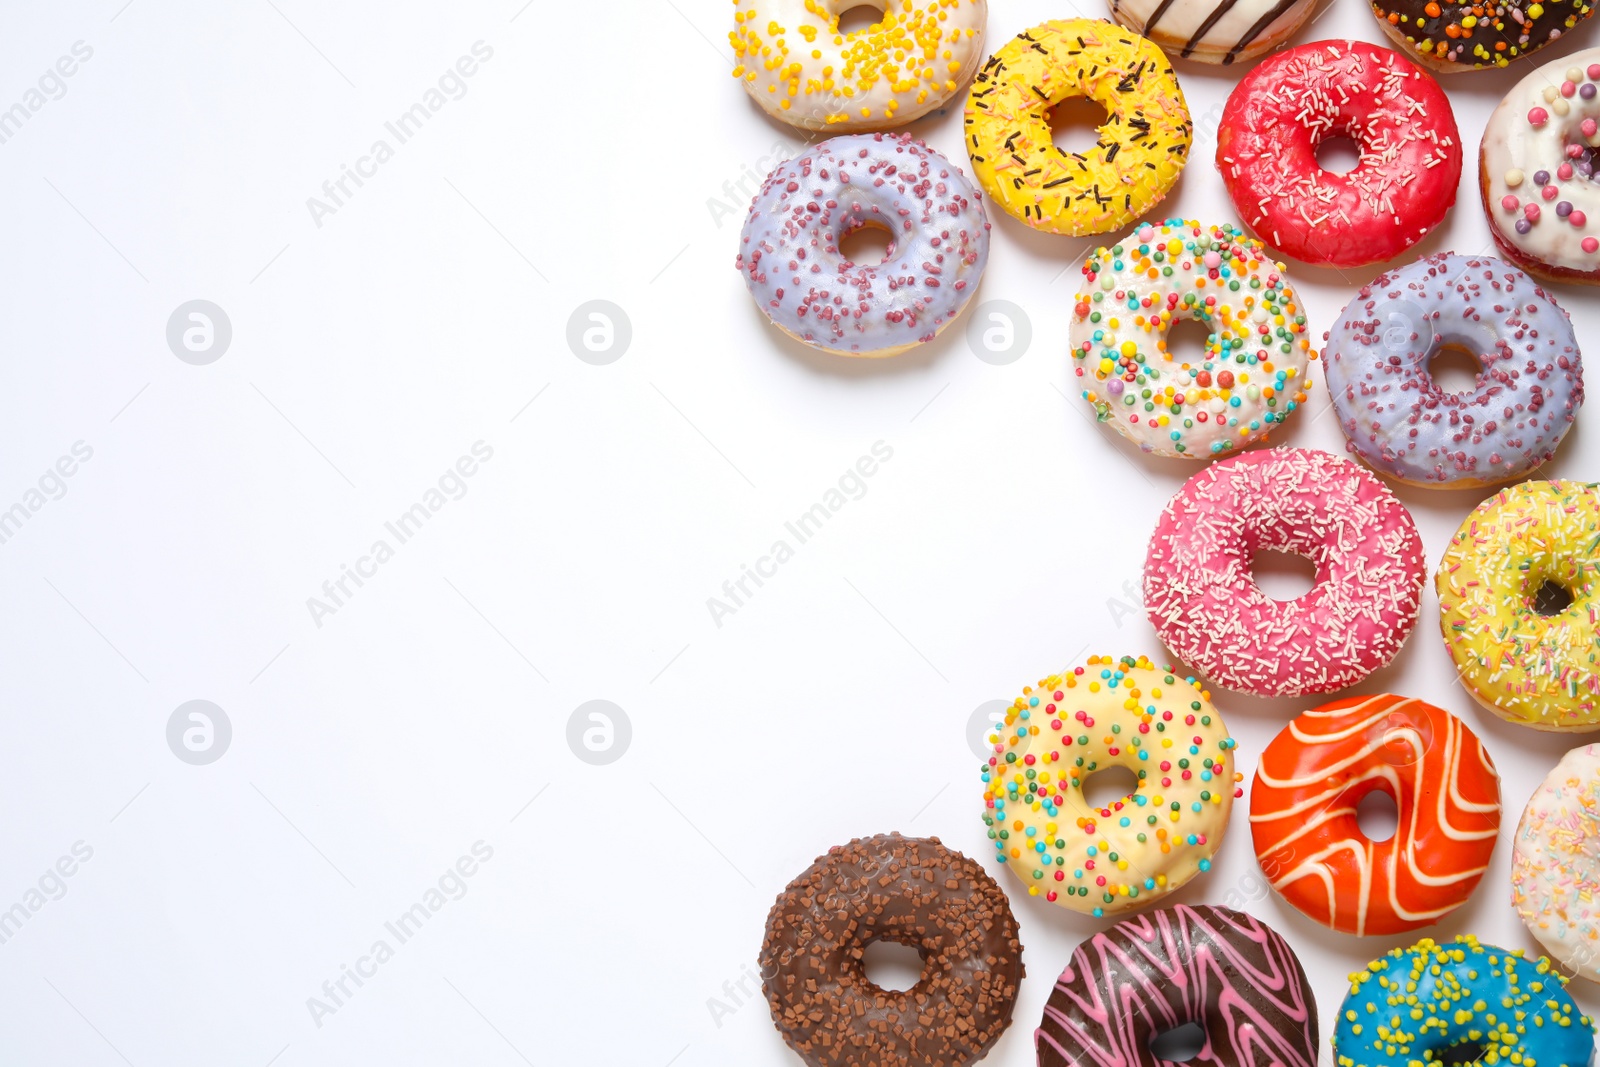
(1208, 610)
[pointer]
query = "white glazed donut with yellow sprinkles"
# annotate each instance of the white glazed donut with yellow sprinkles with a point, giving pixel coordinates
(1137, 850)
(801, 70)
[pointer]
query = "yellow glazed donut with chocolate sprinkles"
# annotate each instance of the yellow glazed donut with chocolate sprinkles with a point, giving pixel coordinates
(1137, 850)
(801, 70)
(1143, 143)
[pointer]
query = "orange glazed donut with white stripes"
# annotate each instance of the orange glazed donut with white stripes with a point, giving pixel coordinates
(1303, 813)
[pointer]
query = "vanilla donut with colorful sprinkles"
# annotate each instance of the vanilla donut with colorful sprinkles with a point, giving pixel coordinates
(1461, 1002)
(790, 250)
(1539, 171)
(1555, 870)
(1472, 35)
(1401, 124)
(1399, 421)
(1206, 607)
(1253, 374)
(1134, 851)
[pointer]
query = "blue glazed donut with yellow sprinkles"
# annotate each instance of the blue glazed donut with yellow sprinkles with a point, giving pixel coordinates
(1462, 1002)
(1253, 371)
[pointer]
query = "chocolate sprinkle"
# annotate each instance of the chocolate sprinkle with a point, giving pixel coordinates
(909, 890)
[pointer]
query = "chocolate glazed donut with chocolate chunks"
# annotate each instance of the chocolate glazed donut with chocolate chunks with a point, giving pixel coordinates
(1234, 976)
(913, 891)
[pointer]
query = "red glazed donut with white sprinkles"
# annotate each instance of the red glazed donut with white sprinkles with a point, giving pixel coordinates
(1206, 607)
(1400, 121)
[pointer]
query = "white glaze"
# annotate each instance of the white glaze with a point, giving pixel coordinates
(1555, 870)
(1515, 149)
(1238, 32)
(801, 70)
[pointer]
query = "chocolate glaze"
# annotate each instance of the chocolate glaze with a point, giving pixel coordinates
(1222, 969)
(891, 888)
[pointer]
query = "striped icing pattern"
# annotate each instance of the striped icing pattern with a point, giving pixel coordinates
(1303, 813)
(1228, 972)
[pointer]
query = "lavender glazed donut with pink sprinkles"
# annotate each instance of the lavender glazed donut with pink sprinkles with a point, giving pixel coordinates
(1399, 421)
(790, 256)
(1207, 608)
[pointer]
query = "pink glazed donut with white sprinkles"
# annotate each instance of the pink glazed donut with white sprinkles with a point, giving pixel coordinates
(789, 252)
(1207, 608)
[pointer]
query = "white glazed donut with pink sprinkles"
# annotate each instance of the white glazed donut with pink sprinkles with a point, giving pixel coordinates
(790, 255)
(1207, 608)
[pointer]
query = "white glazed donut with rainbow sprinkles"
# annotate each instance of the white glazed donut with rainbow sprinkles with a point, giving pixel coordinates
(1253, 373)
(1555, 869)
(1539, 170)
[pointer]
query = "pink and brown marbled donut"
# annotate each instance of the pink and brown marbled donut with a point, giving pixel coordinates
(1229, 973)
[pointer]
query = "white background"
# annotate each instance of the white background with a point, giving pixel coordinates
(586, 160)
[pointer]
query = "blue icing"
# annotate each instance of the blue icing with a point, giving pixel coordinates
(1412, 1005)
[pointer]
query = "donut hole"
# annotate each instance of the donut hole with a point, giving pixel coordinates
(1338, 154)
(859, 17)
(1186, 343)
(1075, 125)
(1283, 575)
(1104, 788)
(1454, 370)
(1552, 598)
(892, 966)
(1180, 1044)
(1379, 819)
(1461, 1054)
(866, 244)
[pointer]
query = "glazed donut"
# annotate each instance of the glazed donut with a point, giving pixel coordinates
(1469, 35)
(1222, 969)
(1143, 144)
(1539, 171)
(1110, 713)
(1526, 666)
(1303, 813)
(795, 63)
(1461, 1002)
(1214, 31)
(1397, 420)
(1555, 869)
(791, 262)
(1254, 371)
(1399, 119)
(1200, 597)
(912, 891)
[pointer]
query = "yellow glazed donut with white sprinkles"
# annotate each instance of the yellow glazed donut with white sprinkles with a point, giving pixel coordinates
(801, 70)
(1143, 142)
(1137, 850)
